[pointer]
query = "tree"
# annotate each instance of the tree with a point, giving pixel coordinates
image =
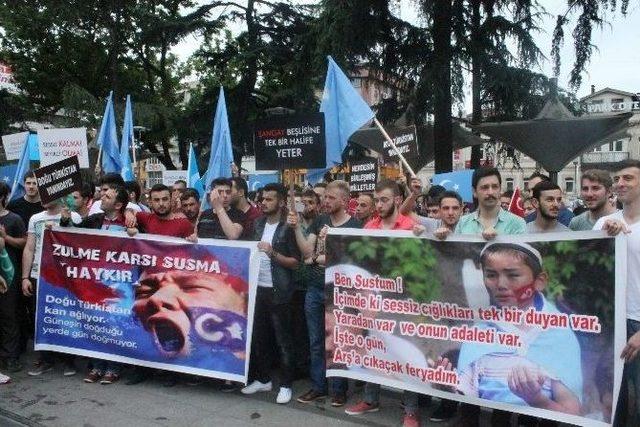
(591, 13)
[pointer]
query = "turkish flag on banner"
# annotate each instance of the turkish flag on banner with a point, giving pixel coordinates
(515, 206)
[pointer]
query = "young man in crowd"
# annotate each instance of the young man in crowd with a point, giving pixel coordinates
(14, 235)
(106, 181)
(450, 213)
(222, 221)
(336, 198)
(162, 221)
(278, 258)
(387, 200)
(319, 189)
(190, 203)
(505, 199)
(177, 189)
(366, 209)
(33, 246)
(565, 214)
(111, 219)
(135, 192)
(595, 192)
(547, 199)
(29, 204)
(83, 199)
(626, 185)
(239, 192)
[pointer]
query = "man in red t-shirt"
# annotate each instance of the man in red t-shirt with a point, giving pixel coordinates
(239, 191)
(160, 220)
(387, 200)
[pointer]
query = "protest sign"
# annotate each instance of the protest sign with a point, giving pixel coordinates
(364, 175)
(58, 179)
(58, 144)
(290, 142)
(170, 177)
(404, 138)
(107, 296)
(13, 144)
(467, 320)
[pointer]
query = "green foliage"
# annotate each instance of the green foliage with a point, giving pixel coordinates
(412, 259)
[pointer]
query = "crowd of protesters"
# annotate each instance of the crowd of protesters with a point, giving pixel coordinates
(289, 324)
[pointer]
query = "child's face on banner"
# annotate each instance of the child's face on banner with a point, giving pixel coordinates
(509, 280)
(166, 302)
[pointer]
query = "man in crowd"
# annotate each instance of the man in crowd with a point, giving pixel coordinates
(135, 192)
(278, 257)
(107, 180)
(387, 200)
(190, 202)
(547, 199)
(222, 221)
(366, 209)
(336, 198)
(450, 213)
(239, 192)
(33, 246)
(162, 221)
(113, 203)
(29, 204)
(14, 235)
(595, 191)
(626, 184)
(565, 214)
(177, 189)
(319, 189)
(505, 199)
(83, 199)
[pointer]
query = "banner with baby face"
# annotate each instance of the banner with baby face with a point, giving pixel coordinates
(152, 301)
(531, 324)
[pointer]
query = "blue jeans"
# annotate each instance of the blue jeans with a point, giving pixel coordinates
(314, 311)
(409, 398)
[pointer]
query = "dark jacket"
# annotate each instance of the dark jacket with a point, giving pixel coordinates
(92, 221)
(284, 242)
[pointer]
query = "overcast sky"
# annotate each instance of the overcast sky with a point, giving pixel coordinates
(615, 64)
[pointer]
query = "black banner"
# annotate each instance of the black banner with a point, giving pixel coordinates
(364, 175)
(58, 179)
(290, 142)
(406, 139)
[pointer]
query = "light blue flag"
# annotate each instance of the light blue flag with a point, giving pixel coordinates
(221, 155)
(108, 140)
(127, 142)
(344, 113)
(34, 149)
(458, 181)
(193, 174)
(17, 188)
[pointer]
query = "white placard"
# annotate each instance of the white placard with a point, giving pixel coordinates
(58, 144)
(170, 177)
(13, 144)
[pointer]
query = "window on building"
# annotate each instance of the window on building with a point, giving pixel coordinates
(617, 100)
(569, 185)
(155, 177)
(616, 145)
(357, 83)
(509, 182)
(598, 148)
(526, 184)
(597, 102)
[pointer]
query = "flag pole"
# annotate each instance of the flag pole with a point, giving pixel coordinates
(393, 145)
(98, 167)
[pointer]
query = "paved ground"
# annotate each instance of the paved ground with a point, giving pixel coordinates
(54, 400)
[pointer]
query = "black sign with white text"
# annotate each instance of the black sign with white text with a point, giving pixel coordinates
(58, 179)
(364, 175)
(290, 142)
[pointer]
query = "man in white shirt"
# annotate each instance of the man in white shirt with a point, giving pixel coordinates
(626, 185)
(110, 180)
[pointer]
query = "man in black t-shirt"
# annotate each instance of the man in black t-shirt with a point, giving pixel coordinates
(28, 205)
(222, 221)
(14, 234)
(335, 203)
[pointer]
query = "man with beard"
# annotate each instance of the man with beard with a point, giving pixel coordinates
(190, 203)
(161, 220)
(278, 258)
(366, 209)
(387, 199)
(164, 222)
(565, 214)
(595, 191)
(547, 199)
(334, 204)
(176, 191)
(222, 221)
